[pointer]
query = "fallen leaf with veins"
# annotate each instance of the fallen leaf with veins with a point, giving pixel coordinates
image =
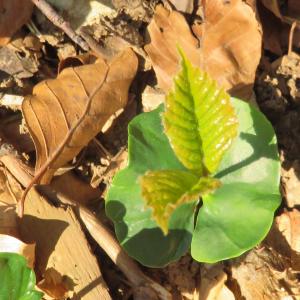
(229, 53)
(65, 113)
(13, 245)
(13, 15)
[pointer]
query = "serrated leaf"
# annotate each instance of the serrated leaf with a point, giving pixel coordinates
(199, 120)
(165, 190)
(17, 280)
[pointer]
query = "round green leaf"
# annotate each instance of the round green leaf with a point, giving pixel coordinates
(232, 220)
(17, 281)
(238, 216)
(137, 232)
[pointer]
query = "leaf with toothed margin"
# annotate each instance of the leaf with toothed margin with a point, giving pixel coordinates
(199, 120)
(165, 190)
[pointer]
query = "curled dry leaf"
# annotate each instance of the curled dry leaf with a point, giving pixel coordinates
(13, 245)
(53, 284)
(13, 14)
(79, 101)
(229, 53)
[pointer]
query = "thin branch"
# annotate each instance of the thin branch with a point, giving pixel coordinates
(59, 149)
(291, 37)
(59, 21)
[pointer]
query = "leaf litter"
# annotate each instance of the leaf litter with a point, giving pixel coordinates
(230, 53)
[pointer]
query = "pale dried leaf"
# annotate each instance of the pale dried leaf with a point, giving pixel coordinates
(168, 30)
(229, 53)
(13, 14)
(291, 184)
(57, 104)
(61, 244)
(185, 6)
(263, 274)
(288, 224)
(13, 245)
(213, 285)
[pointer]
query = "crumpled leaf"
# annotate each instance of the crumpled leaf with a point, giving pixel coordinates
(165, 190)
(53, 284)
(199, 121)
(57, 104)
(13, 15)
(17, 280)
(229, 53)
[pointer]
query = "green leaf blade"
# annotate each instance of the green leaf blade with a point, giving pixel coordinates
(239, 214)
(148, 149)
(199, 120)
(17, 280)
(165, 190)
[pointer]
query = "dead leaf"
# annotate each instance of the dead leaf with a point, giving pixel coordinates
(273, 6)
(288, 224)
(185, 6)
(229, 53)
(58, 104)
(151, 98)
(213, 285)
(291, 184)
(74, 188)
(53, 284)
(13, 245)
(167, 30)
(261, 274)
(15, 65)
(61, 244)
(13, 15)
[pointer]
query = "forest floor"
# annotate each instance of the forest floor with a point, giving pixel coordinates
(263, 67)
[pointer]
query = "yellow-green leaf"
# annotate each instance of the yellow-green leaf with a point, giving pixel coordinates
(199, 120)
(165, 190)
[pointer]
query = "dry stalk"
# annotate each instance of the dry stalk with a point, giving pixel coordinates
(98, 231)
(59, 21)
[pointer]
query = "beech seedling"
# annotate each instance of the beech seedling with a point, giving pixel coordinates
(203, 173)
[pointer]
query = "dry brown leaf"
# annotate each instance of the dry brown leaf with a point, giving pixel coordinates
(263, 274)
(230, 45)
(167, 30)
(13, 245)
(288, 224)
(185, 6)
(61, 245)
(53, 284)
(58, 104)
(13, 14)
(291, 184)
(213, 285)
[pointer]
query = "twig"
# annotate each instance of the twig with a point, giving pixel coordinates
(98, 231)
(291, 37)
(59, 21)
(61, 146)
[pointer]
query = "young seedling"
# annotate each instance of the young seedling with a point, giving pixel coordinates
(203, 146)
